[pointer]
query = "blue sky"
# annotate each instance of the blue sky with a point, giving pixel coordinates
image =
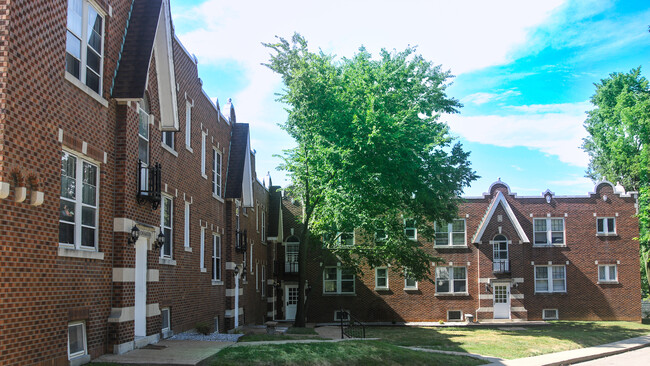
(524, 70)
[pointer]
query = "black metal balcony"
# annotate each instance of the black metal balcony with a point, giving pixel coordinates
(501, 266)
(283, 267)
(241, 238)
(149, 184)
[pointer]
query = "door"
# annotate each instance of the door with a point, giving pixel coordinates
(500, 255)
(140, 311)
(290, 301)
(501, 301)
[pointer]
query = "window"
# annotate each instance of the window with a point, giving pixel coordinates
(263, 227)
(76, 340)
(341, 315)
(606, 226)
(186, 233)
(549, 231)
(263, 281)
(454, 315)
(550, 314)
(607, 273)
(410, 230)
(166, 217)
(257, 284)
(168, 139)
(143, 141)
(550, 279)
(188, 125)
(381, 278)
(450, 234)
(346, 239)
(409, 282)
(451, 280)
(78, 204)
(203, 153)
(216, 173)
(84, 56)
(202, 251)
(216, 257)
(165, 326)
(337, 280)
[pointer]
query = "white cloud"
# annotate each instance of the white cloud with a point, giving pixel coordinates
(485, 97)
(539, 127)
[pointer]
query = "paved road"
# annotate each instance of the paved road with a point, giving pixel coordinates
(640, 357)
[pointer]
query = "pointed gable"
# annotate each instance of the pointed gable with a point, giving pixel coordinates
(239, 183)
(148, 33)
(499, 198)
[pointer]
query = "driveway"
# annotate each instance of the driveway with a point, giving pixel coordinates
(632, 358)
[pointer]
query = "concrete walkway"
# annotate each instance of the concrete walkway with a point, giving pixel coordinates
(175, 353)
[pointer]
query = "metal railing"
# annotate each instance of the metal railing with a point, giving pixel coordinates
(351, 327)
(149, 184)
(501, 266)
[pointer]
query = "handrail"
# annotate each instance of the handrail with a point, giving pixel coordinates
(354, 328)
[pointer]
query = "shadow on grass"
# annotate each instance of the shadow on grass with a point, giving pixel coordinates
(511, 343)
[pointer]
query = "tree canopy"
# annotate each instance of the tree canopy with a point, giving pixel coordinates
(619, 143)
(371, 151)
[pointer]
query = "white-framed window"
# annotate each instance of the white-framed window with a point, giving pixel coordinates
(251, 252)
(216, 257)
(216, 172)
(166, 224)
(550, 279)
(186, 226)
(341, 315)
(84, 45)
(168, 139)
(606, 226)
(257, 272)
(410, 229)
(409, 282)
(143, 142)
(202, 251)
(165, 320)
(204, 152)
(257, 219)
(607, 273)
(454, 315)
(77, 340)
(338, 280)
(78, 218)
(450, 234)
(450, 280)
(263, 281)
(263, 228)
(381, 278)
(188, 125)
(550, 314)
(345, 239)
(549, 231)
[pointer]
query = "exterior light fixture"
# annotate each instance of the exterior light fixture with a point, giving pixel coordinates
(236, 270)
(135, 234)
(160, 240)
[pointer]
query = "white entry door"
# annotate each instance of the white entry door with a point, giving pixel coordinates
(501, 301)
(290, 301)
(140, 311)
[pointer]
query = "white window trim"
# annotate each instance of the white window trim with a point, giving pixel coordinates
(339, 281)
(171, 228)
(377, 287)
(83, 62)
(257, 219)
(344, 311)
(186, 227)
(263, 229)
(78, 204)
(549, 279)
(85, 340)
(607, 279)
(188, 125)
(450, 236)
(339, 239)
(202, 251)
(557, 314)
(455, 320)
(216, 248)
(406, 286)
(415, 229)
(257, 279)
(549, 240)
(606, 231)
(204, 154)
(450, 272)
(263, 280)
(217, 174)
(169, 319)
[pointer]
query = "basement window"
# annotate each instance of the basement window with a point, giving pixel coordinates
(550, 314)
(454, 315)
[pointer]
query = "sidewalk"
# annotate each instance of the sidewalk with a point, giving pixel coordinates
(176, 353)
(580, 355)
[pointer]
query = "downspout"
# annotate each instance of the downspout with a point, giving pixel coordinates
(236, 300)
(478, 279)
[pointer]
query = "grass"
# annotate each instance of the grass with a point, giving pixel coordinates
(509, 344)
(295, 330)
(272, 337)
(334, 353)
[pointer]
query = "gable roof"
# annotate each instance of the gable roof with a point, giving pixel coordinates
(239, 183)
(275, 214)
(148, 32)
(499, 199)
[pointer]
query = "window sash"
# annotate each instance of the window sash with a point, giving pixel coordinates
(337, 280)
(188, 125)
(410, 229)
(607, 273)
(450, 234)
(166, 222)
(76, 340)
(451, 279)
(606, 225)
(263, 281)
(381, 277)
(216, 173)
(203, 152)
(550, 279)
(78, 215)
(85, 43)
(186, 226)
(549, 231)
(202, 250)
(216, 257)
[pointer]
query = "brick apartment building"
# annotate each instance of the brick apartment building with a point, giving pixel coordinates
(129, 204)
(505, 257)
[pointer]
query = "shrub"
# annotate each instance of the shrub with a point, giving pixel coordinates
(203, 328)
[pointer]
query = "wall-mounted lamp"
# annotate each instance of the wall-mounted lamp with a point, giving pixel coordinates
(487, 287)
(307, 288)
(277, 285)
(135, 234)
(236, 270)
(160, 240)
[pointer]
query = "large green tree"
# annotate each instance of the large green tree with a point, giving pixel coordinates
(371, 153)
(619, 144)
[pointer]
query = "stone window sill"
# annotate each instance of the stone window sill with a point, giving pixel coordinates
(76, 82)
(607, 282)
(381, 289)
(452, 294)
(80, 253)
(167, 261)
(548, 245)
(204, 270)
(217, 198)
(606, 234)
(217, 282)
(341, 294)
(188, 249)
(169, 149)
(450, 246)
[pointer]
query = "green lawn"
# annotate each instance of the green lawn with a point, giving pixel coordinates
(334, 353)
(509, 344)
(274, 337)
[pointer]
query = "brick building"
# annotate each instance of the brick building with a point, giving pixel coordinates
(129, 204)
(505, 257)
